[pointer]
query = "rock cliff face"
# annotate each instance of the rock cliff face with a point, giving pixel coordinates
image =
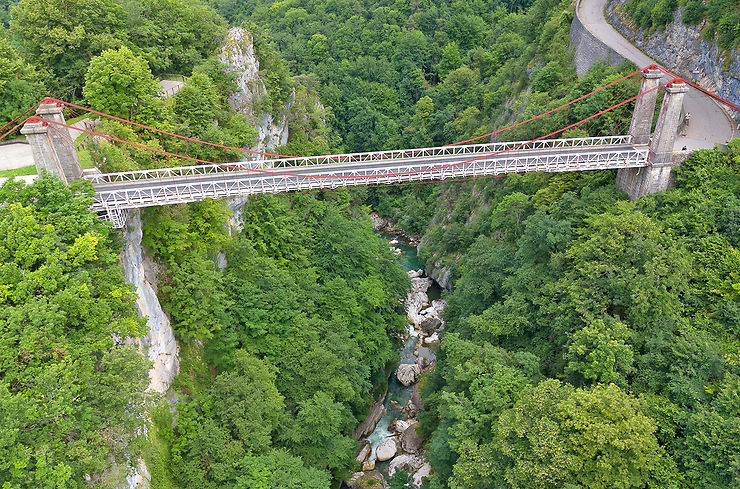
(680, 48)
(237, 53)
(159, 343)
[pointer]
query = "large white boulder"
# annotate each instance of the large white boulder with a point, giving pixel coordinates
(402, 425)
(431, 339)
(417, 299)
(386, 450)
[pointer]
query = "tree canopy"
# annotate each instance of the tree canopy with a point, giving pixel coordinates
(71, 393)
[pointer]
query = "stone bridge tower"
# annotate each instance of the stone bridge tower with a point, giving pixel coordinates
(52, 146)
(656, 177)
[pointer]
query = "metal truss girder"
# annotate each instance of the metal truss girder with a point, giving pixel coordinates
(152, 192)
(368, 157)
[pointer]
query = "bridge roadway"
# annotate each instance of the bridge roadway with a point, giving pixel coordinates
(116, 192)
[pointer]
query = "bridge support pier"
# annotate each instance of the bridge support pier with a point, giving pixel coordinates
(656, 177)
(642, 118)
(52, 146)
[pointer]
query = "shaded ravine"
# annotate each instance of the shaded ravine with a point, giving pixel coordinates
(394, 444)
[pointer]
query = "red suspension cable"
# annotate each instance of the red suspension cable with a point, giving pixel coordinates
(703, 90)
(568, 104)
(103, 114)
(17, 125)
(256, 170)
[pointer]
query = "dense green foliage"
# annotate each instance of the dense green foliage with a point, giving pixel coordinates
(21, 85)
(62, 35)
(117, 81)
(722, 17)
(70, 393)
(592, 342)
(403, 74)
(295, 330)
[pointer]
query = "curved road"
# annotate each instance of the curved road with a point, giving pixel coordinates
(709, 124)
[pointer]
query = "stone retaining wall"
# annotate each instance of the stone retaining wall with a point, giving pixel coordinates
(588, 49)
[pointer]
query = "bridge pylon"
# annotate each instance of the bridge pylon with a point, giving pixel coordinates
(656, 177)
(642, 118)
(52, 146)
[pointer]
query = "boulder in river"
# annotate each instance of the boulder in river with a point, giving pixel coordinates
(424, 471)
(430, 325)
(406, 462)
(367, 480)
(411, 441)
(369, 465)
(415, 273)
(367, 426)
(408, 373)
(402, 425)
(431, 339)
(417, 299)
(423, 362)
(364, 452)
(386, 450)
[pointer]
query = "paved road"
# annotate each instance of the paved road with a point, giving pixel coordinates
(15, 155)
(168, 88)
(709, 124)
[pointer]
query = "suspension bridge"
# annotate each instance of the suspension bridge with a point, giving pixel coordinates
(643, 158)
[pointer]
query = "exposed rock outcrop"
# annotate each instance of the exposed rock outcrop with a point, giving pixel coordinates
(403, 425)
(430, 325)
(424, 471)
(408, 374)
(364, 452)
(411, 441)
(140, 478)
(237, 53)
(159, 343)
(367, 480)
(417, 298)
(407, 462)
(441, 274)
(367, 426)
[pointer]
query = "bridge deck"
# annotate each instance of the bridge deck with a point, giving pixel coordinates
(127, 190)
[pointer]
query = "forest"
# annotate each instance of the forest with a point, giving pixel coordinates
(590, 341)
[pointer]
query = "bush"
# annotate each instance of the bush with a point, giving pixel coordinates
(662, 13)
(693, 12)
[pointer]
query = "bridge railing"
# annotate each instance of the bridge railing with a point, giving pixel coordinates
(367, 157)
(190, 189)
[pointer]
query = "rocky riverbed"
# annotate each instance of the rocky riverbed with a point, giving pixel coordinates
(393, 442)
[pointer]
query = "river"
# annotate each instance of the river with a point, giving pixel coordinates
(398, 402)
